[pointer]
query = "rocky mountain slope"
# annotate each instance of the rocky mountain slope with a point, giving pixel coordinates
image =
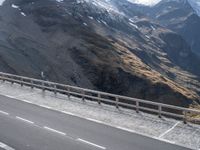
(98, 45)
(181, 16)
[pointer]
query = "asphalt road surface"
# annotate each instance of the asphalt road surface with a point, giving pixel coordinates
(25, 126)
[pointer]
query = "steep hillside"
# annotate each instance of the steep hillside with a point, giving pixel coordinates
(180, 16)
(94, 44)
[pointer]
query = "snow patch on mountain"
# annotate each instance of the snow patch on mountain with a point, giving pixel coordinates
(196, 5)
(1, 2)
(104, 4)
(59, 1)
(145, 2)
(15, 6)
(110, 7)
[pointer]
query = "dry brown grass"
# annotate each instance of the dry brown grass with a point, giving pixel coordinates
(135, 65)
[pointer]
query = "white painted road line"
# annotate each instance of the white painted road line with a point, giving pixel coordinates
(3, 112)
(165, 140)
(6, 147)
(169, 130)
(68, 113)
(94, 120)
(45, 106)
(25, 120)
(168, 141)
(9, 96)
(125, 129)
(53, 130)
(27, 101)
(90, 143)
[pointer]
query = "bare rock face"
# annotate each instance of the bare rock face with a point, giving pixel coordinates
(181, 17)
(82, 43)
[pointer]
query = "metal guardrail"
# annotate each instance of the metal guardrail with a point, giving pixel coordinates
(107, 98)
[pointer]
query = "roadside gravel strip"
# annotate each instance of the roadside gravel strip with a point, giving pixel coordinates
(165, 129)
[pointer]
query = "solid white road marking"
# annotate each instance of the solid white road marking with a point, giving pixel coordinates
(3, 112)
(6, 147)
(125, 129)
(169, 130)
(90, 143)
(53, 130)
(45, 106)
(9, 96)
(94, 120)
(168, 141)
(164, 140)
(68, 113)
(25, 120)
(27, 101)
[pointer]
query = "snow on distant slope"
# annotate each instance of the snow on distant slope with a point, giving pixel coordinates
(145, 2)
(108, 4)
(196, 5)
(1, 2)
(105, 4)
(59, 0)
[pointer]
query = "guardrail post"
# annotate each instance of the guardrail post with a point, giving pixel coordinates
(160, 111)
(99, 101)
(185, 117)
(12, 82)
(3, 78)
(55, 89)
(32, 84)
(137, 107)
(21, 80)
(83, 95)
(43, 88)
(117, 102)
(68, 92)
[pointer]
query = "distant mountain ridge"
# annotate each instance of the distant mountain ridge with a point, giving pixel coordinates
(196, 5)
(180, 17)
